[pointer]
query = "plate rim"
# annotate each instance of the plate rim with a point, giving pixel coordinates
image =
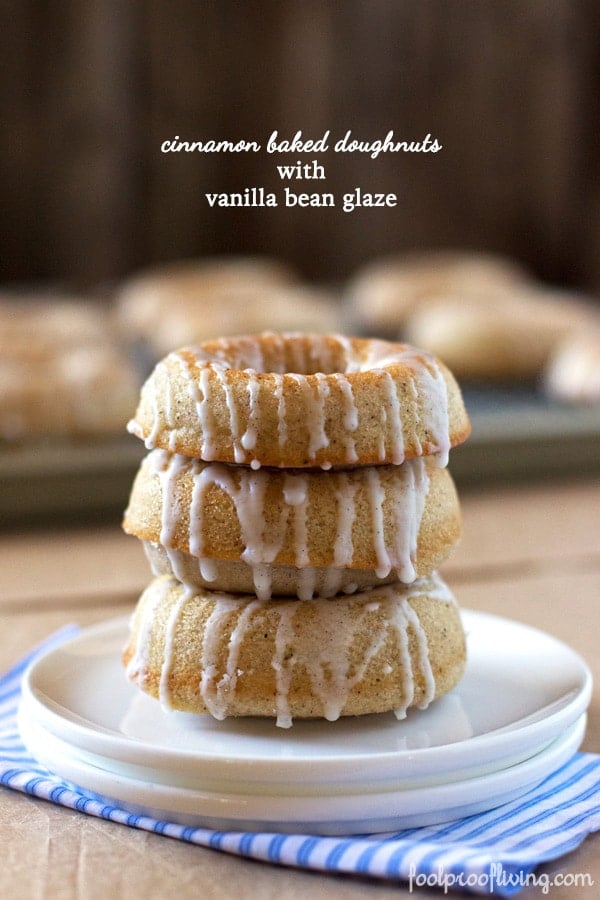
(440, 802)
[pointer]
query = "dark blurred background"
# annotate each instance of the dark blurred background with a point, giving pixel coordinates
(91, 88)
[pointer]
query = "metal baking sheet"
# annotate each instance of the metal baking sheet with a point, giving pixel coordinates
(78, 480)
(518, 434)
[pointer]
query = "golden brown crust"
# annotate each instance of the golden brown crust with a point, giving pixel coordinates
(232, 513)
(301, 401)
(208, 652)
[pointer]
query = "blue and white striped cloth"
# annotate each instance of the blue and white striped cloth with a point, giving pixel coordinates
(495, 852)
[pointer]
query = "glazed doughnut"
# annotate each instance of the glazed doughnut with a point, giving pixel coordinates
(80, 392)
(384, 521)
(387, 649)
(34, 323)
(208, 284)
(297, 400)
(62, 374)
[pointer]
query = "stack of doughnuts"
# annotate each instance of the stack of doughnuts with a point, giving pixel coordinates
(294, 506)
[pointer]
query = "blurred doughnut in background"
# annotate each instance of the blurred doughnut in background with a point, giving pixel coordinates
(384, 292)
(62, 369)
(573, 370)
(485, 316)
(190, 301)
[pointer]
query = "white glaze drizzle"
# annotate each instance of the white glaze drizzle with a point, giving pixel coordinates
(408, 516)
(393, 418)
(169, 467)
(349, 418)
(151, 391)
(201, 394)
(217, 693)
(313, 403)
(137, 667)
(429, 382)
(376, 498)
(282, 431)
(328, 671)
(239, 454)
(248, 497)
(382, 432)
(343, 548)
(332, 583)
(305, 583)
(248, 439)
(154, 433)
(295, 495)
(164, 684)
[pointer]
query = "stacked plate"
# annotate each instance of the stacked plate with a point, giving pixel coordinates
(516, 717)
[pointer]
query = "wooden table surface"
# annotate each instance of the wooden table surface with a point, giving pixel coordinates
(531, 553)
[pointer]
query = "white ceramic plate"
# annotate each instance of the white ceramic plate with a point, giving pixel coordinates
(521, 690)
(517, 715)
(324, 813)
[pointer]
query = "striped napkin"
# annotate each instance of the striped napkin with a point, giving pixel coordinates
(495, 852)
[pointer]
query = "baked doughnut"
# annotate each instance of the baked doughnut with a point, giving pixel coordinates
(368, 524)
(573, 371)
(264, 581)
(32, 323)
(483, 337)
(301, 400)
(387, 649)
(74, 392)
(293, 308)
(208, 284)
(185, 303)
(386, 290)
(62, 374)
